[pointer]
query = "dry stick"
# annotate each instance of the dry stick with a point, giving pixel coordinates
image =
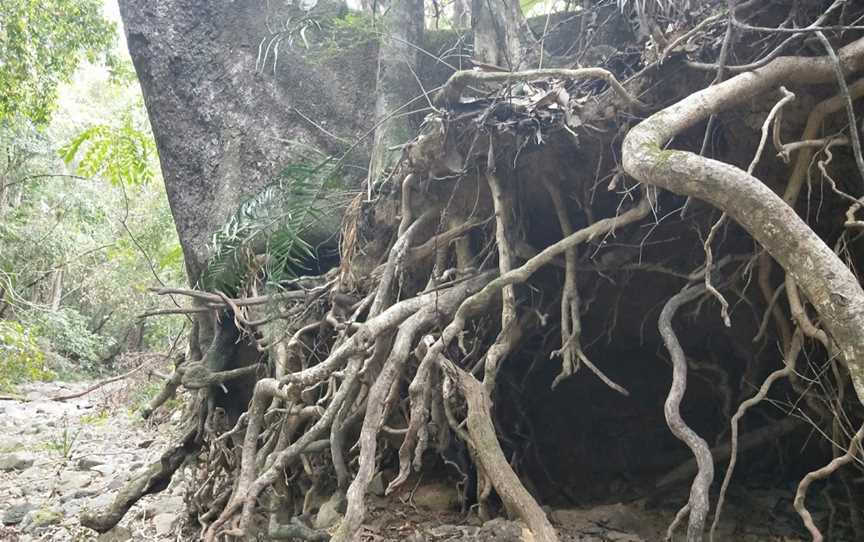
(376, 405)
(825, 280)
(484, 442)
(788, 369)
(698, 504)
(853, 450)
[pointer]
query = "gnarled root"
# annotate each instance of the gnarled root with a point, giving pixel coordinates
(152, 479)
(819, 474)
(698, 504)
(483, 441)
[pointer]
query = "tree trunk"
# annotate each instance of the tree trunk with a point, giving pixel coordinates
(56, 289)
(396, 87)
(502, 36)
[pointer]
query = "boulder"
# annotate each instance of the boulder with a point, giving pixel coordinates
(15, 514)
(330, 512)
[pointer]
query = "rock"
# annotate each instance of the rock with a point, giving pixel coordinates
(377, 485)
(330, 512)
(100, 502)
(164, 523)
(170, 505)
(146, 443)
(117, 534)
(437, 496)
(43, 517)
(15, 462)
(86, 463)
(104, 470)
(15, 514)
(72, 481)
(11, 444)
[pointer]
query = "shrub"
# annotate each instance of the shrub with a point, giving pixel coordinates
(67, 332)
(21, 359)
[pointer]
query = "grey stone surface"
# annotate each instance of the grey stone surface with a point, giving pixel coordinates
(17, 461)
(14, 514)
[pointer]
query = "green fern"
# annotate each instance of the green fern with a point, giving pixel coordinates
(273, 223)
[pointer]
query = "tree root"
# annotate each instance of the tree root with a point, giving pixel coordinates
(152, 479)
(826, 281)
(482, 439)
(698, 504)
(819, 474)
(788, 369)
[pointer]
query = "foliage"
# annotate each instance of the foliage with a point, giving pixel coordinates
(117, 154)
(94, 232)
(273, 223)
(68, 333)
(21, 359)
(41, 44)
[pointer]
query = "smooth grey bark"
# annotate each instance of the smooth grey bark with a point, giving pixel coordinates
(396, 90)
(502, 36)
(222, 128)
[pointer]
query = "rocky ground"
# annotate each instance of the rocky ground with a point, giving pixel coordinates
(59, 458)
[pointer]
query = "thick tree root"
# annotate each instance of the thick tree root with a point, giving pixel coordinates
(517, 501)
(152, 479)
(826, 281)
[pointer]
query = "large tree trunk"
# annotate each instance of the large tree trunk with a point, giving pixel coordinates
(222, 128)
(397, 90)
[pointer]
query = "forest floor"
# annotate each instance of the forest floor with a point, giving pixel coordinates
(59, 458)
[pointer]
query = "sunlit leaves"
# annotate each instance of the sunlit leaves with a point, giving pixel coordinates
(119, 155)
(41, 45)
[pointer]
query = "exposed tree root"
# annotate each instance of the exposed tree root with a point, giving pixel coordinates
(698, 504)
(518, 502)
(153, 479)
(826, 281)
(788, 369)
(407, 337)
(853, 450)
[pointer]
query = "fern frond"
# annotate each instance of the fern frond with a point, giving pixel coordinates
(272, 222)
